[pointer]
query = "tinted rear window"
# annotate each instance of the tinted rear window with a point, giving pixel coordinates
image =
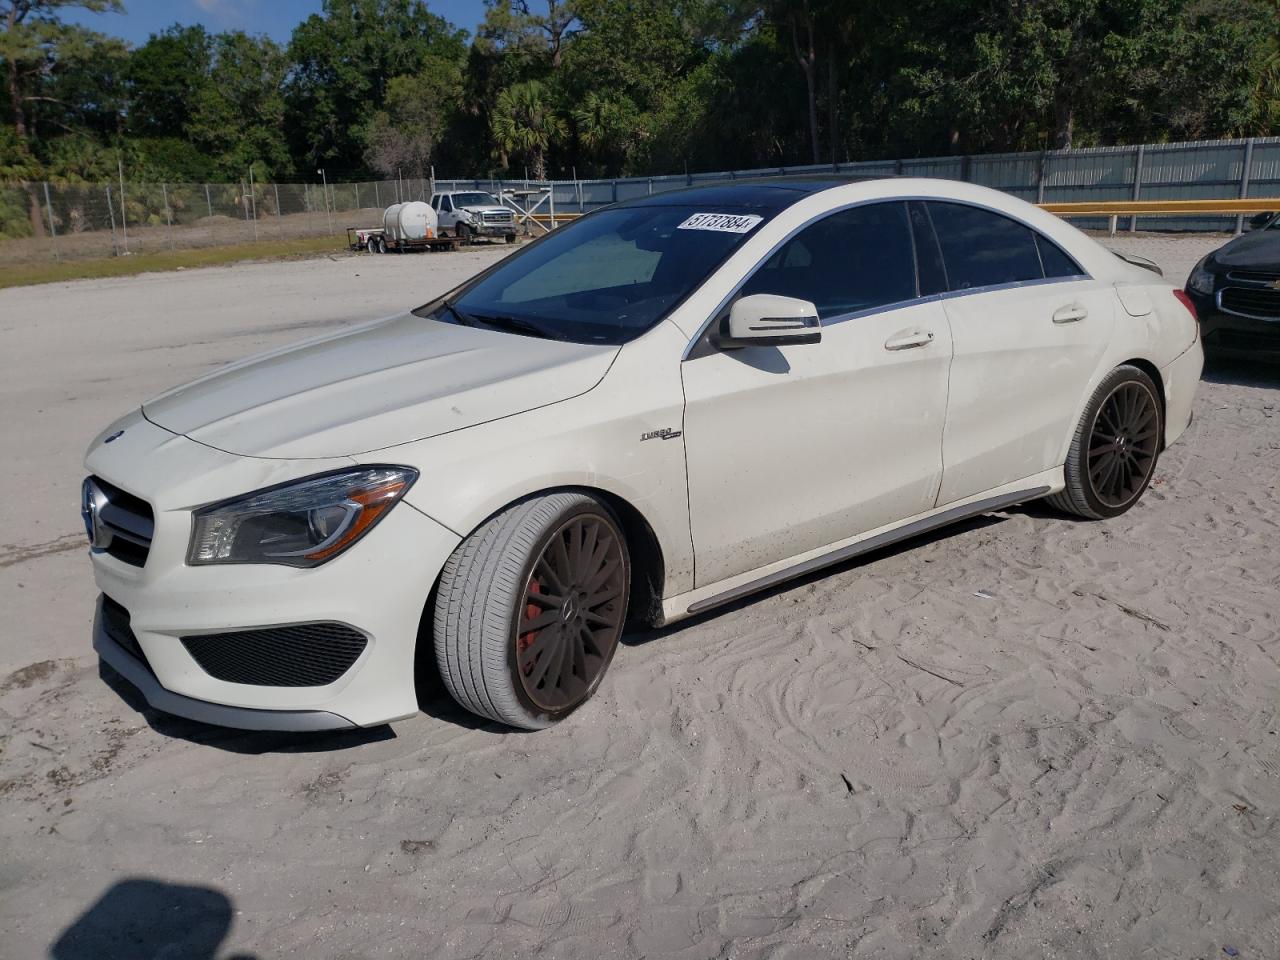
(982, 248)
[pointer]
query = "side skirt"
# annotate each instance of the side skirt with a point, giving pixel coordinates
(905, 532)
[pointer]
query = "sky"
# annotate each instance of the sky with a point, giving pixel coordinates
(275, 18)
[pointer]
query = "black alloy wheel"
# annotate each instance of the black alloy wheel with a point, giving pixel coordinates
(568, 625)
(1124, 444)
(1113, 451)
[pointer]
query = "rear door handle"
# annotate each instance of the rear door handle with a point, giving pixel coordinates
(906, 339)
(1070, 313)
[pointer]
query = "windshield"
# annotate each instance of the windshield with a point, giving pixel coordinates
(606, 278)
(474, 200)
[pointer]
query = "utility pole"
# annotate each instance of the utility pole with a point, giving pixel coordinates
(253, 199)
(324, 181)
(124, 219)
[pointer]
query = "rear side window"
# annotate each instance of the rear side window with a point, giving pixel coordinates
(852, 260)
(1056, 263)
(982, 248)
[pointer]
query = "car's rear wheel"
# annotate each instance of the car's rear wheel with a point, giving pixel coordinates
(1115, 447)
(530, 608)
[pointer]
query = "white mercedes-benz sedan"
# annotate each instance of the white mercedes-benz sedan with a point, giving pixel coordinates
(667, 405)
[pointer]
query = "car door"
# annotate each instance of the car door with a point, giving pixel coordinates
(792, 448)
(447, 218)
(1029, 329)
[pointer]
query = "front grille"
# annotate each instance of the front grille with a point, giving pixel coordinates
(305, 655)
(126, 523)
(115, 622)
(1251, 302)
(1254, 276)
(497, 218)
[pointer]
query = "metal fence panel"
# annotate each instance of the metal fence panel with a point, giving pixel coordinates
(40, 222)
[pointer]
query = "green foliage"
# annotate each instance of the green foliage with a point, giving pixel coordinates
(238, 117)
(525, 122)
(615, 87)
(165, 76)
(342, 62)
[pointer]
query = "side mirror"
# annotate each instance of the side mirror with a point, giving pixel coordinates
(1260, 220)
(768, 320)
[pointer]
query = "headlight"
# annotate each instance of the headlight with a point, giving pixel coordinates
(1201, 280)
(299, 524)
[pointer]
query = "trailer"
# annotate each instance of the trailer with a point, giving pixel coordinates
(377, 240)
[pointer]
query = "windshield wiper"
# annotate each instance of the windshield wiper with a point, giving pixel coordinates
(462, 318)
(518, 325)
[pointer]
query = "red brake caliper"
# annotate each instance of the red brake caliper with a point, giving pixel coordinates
(525, 640)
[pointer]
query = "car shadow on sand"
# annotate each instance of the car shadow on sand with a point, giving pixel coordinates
(1243, 372)
(144, 919)
(252, 742)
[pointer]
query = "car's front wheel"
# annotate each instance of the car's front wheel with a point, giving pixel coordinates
(530, 607)
(1115, 447)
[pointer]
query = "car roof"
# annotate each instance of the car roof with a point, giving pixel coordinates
(759, 193)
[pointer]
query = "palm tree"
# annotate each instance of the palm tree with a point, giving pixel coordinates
(524, 121)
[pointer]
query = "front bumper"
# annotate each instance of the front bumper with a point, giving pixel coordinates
(1228, 334)
(493, 229)
(378, 588)
(139, 674)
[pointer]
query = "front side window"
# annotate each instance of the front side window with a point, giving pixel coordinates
(853, 260)
(446, 204)
(981, 248)
(608, 277)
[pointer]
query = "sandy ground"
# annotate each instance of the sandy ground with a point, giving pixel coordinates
(1029, 737)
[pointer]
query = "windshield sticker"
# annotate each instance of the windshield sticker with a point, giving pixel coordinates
(721, 222)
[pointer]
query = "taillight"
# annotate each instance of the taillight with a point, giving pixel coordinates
(1186, 302)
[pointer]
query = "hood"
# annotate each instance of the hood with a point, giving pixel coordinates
(1259, 250)
(377, 386)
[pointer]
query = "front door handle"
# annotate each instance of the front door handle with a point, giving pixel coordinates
(907, 339)
(1070, 313)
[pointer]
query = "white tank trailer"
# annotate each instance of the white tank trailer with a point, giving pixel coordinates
(410, 221)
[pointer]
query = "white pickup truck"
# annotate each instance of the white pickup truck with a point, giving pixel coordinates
(472, 213)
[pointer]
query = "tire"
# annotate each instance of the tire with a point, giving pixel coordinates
(1114, 448)
(511, 238)
(464, 234)
(516, 570)
(382, 244)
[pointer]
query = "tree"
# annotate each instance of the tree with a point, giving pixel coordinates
(798, 17)
(343, 60)
(403, 135)
(165, 78)
(512, 28)
(28, 48)
(238, 117)
(32, 33)
(525, 122)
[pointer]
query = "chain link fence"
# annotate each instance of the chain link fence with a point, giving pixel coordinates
(44, 221)
(41, 222)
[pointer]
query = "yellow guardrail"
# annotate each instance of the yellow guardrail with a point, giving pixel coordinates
(1108, 208)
